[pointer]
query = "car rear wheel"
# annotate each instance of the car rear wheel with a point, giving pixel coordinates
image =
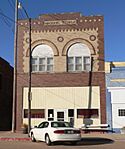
(33, 138)
(47, 140)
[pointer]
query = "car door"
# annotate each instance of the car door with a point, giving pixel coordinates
(37, 131)
(42, 128)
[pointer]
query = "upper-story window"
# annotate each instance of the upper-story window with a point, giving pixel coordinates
(79, 58)
(121, 112)
(42, 59)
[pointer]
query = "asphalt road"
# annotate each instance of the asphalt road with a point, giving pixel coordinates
(86, 143)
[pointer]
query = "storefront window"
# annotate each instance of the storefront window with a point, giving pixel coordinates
(35, 113)
(87, 113)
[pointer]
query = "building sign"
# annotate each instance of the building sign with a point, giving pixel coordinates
(61, 22)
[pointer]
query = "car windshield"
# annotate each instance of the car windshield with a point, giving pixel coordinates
(60, 124)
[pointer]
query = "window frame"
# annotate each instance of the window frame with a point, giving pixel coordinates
(74, 64)
(38, 64)
(121, 112)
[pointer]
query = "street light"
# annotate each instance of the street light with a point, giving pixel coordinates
(30, 68)
(19, 6)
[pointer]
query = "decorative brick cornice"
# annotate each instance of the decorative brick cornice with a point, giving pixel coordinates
(63, 22)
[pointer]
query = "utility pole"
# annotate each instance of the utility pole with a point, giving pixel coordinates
(18, 5)
(15, 69)
(90, 84)
(30, 69)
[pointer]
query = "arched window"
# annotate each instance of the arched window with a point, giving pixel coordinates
(42, 59)
(79, 57)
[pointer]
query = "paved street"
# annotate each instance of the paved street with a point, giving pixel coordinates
(40, 145)
(91, 141)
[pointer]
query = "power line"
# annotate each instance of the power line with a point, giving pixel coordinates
(6, 21)
(11, 5)
(2, 14)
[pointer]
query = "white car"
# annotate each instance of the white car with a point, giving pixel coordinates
(52, 131)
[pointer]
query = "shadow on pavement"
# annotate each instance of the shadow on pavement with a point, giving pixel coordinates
(95, 141)
(88, 141)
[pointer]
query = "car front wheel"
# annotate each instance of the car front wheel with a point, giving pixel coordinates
(33, 138)
(47, 140)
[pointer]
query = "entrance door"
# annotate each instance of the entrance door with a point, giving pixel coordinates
(60, 115)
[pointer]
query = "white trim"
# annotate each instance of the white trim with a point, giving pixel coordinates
(115, 88)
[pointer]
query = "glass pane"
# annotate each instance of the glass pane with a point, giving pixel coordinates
(79, 67)
(70, 67)
(41, 67)
(87, 67)
(50, 68)
(41, 60)
(87, 60)
(35, 113)
(50, 60)
(78, 60)
(60, 116)
(87, 113)
(70, 112)
(70, 60)
(34, 60)
(34, 67)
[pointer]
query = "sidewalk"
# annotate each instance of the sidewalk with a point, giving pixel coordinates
(10, 136)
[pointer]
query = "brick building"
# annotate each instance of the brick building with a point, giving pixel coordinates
(6, 94)
(68, 78)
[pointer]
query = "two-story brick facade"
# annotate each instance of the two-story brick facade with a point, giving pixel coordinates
(68, 78)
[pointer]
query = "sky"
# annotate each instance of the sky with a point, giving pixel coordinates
(112, 10)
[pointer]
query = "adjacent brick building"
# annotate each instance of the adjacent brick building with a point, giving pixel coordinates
(68, 78)
(6, 95)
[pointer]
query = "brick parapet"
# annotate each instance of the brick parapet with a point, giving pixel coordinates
(82, 22)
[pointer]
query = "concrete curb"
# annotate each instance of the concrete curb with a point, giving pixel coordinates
(14, 139)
